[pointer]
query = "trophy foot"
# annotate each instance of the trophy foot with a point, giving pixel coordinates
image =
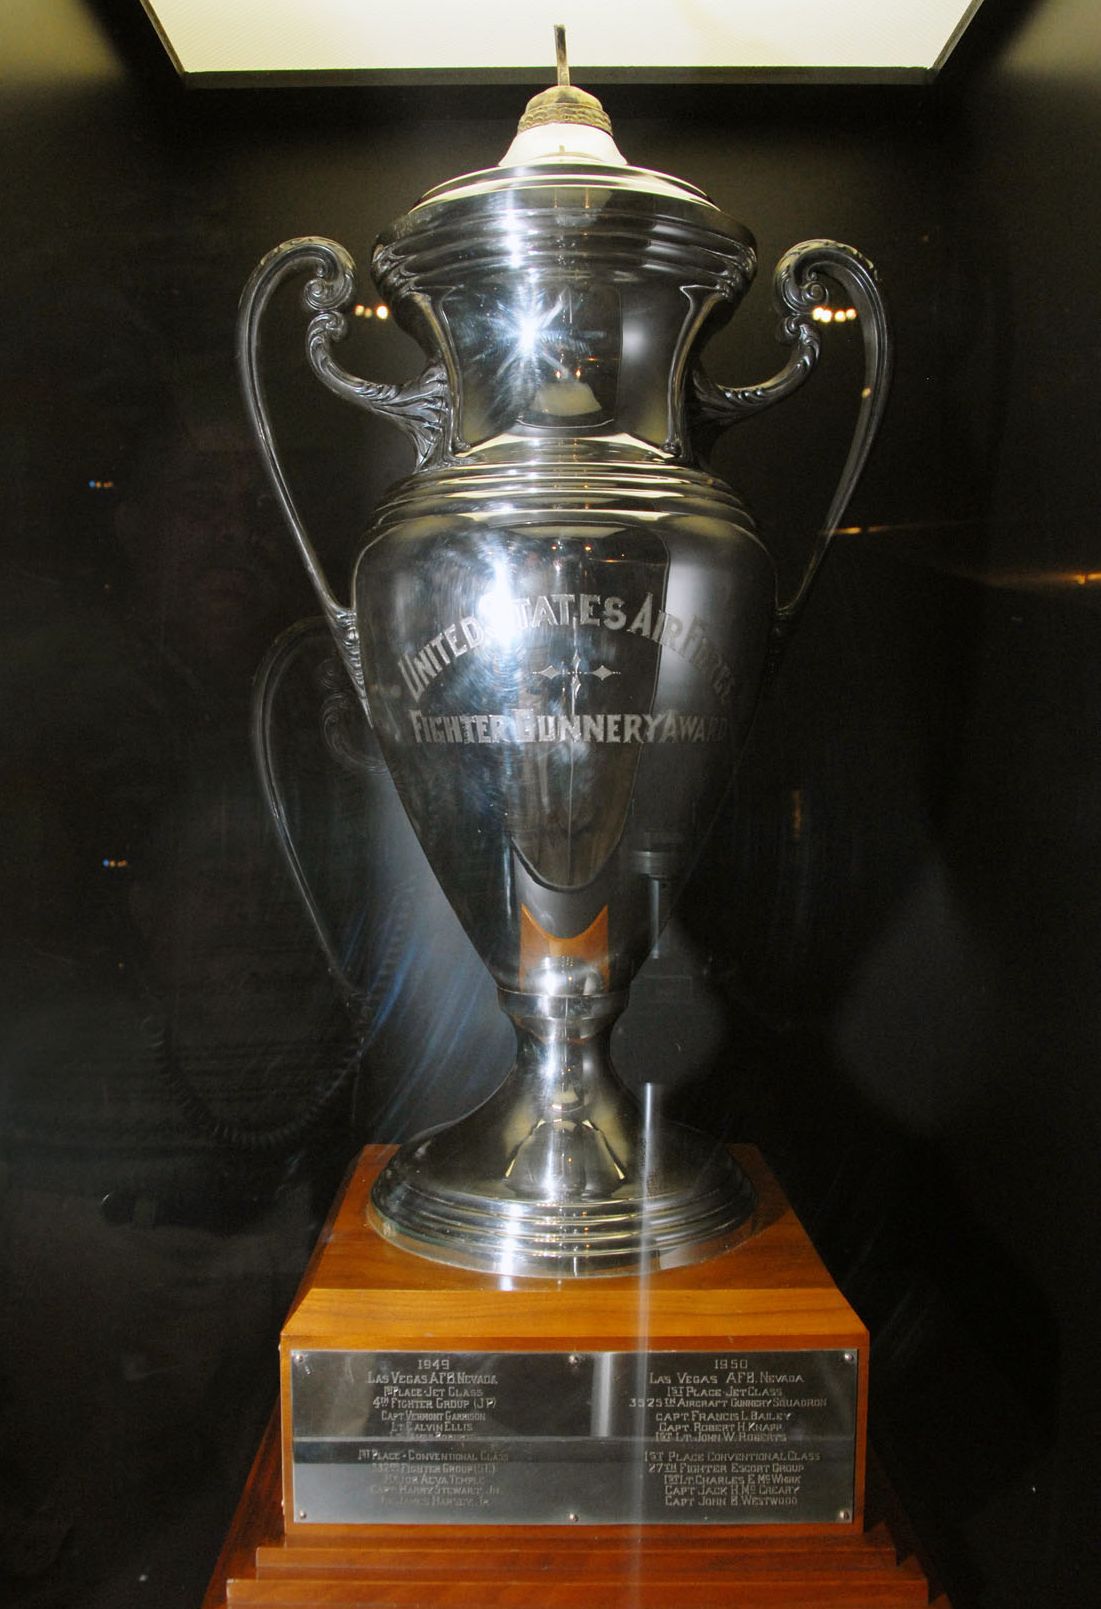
(561, 1173)
(427, 1202)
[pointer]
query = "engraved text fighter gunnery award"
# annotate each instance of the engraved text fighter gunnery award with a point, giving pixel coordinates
(558, 629)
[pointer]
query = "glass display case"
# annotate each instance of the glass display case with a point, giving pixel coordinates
(877, 976)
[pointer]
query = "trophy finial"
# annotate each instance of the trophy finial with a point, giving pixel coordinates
(563, 102)
(563, 123)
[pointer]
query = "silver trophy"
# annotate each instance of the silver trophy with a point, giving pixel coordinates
(559, 627)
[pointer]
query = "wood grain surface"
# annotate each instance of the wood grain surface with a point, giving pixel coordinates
(770, 1292)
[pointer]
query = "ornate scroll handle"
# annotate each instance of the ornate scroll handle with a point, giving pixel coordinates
(419, 407)
(798, 290)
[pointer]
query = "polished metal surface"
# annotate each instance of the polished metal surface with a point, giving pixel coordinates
(559, 628)
(555, 1438)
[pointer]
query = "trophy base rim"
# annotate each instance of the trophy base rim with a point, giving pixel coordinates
(705, 1205)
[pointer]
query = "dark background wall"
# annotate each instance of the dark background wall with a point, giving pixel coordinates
(886, 973)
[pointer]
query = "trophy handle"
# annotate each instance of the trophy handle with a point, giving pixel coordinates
(419, 407)
(798, 290)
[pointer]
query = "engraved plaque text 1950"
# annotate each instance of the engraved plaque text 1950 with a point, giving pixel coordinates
(590, 1438)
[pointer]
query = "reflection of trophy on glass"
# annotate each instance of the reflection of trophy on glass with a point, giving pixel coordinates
(559, 628)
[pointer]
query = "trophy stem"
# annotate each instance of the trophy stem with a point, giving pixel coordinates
(561, 1172)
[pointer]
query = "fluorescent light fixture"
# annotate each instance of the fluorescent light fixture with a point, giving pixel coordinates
(353, 40)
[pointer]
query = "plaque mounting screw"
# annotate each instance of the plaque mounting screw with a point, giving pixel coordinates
(301, 1513)
(849, 1357)
(573, 1518)
(844, 1515)
(574, 1362)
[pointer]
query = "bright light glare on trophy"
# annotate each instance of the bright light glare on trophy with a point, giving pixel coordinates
(497, 610)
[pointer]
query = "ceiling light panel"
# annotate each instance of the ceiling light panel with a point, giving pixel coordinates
(648, 38)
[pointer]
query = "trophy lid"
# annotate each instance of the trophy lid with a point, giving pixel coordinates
(563, 190)
(564, 139)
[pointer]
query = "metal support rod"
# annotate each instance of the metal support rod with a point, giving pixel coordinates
(560, 54)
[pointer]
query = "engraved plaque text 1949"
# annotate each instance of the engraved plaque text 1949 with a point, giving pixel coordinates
(557, 1438)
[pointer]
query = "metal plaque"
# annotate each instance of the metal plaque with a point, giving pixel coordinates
(552, 1438)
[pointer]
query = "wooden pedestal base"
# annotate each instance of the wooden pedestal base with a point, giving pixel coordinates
(770, 1293)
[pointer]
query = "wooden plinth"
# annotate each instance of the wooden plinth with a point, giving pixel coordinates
(770, 1293)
